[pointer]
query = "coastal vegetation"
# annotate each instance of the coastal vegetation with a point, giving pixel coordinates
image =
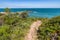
(15, 26)
(50, 29)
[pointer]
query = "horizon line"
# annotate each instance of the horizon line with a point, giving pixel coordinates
(32, 7)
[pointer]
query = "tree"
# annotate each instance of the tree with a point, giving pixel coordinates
(7, 10)
(24, 14)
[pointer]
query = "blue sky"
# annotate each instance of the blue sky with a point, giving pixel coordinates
(30, 3)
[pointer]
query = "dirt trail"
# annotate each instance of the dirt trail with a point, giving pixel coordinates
(31, 35)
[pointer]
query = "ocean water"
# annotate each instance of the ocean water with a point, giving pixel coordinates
(37, 12)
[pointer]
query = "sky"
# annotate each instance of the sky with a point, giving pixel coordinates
(30, 3)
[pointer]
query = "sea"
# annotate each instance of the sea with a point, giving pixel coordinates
(37, 12)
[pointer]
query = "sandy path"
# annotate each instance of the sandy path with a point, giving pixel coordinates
(31, 35)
